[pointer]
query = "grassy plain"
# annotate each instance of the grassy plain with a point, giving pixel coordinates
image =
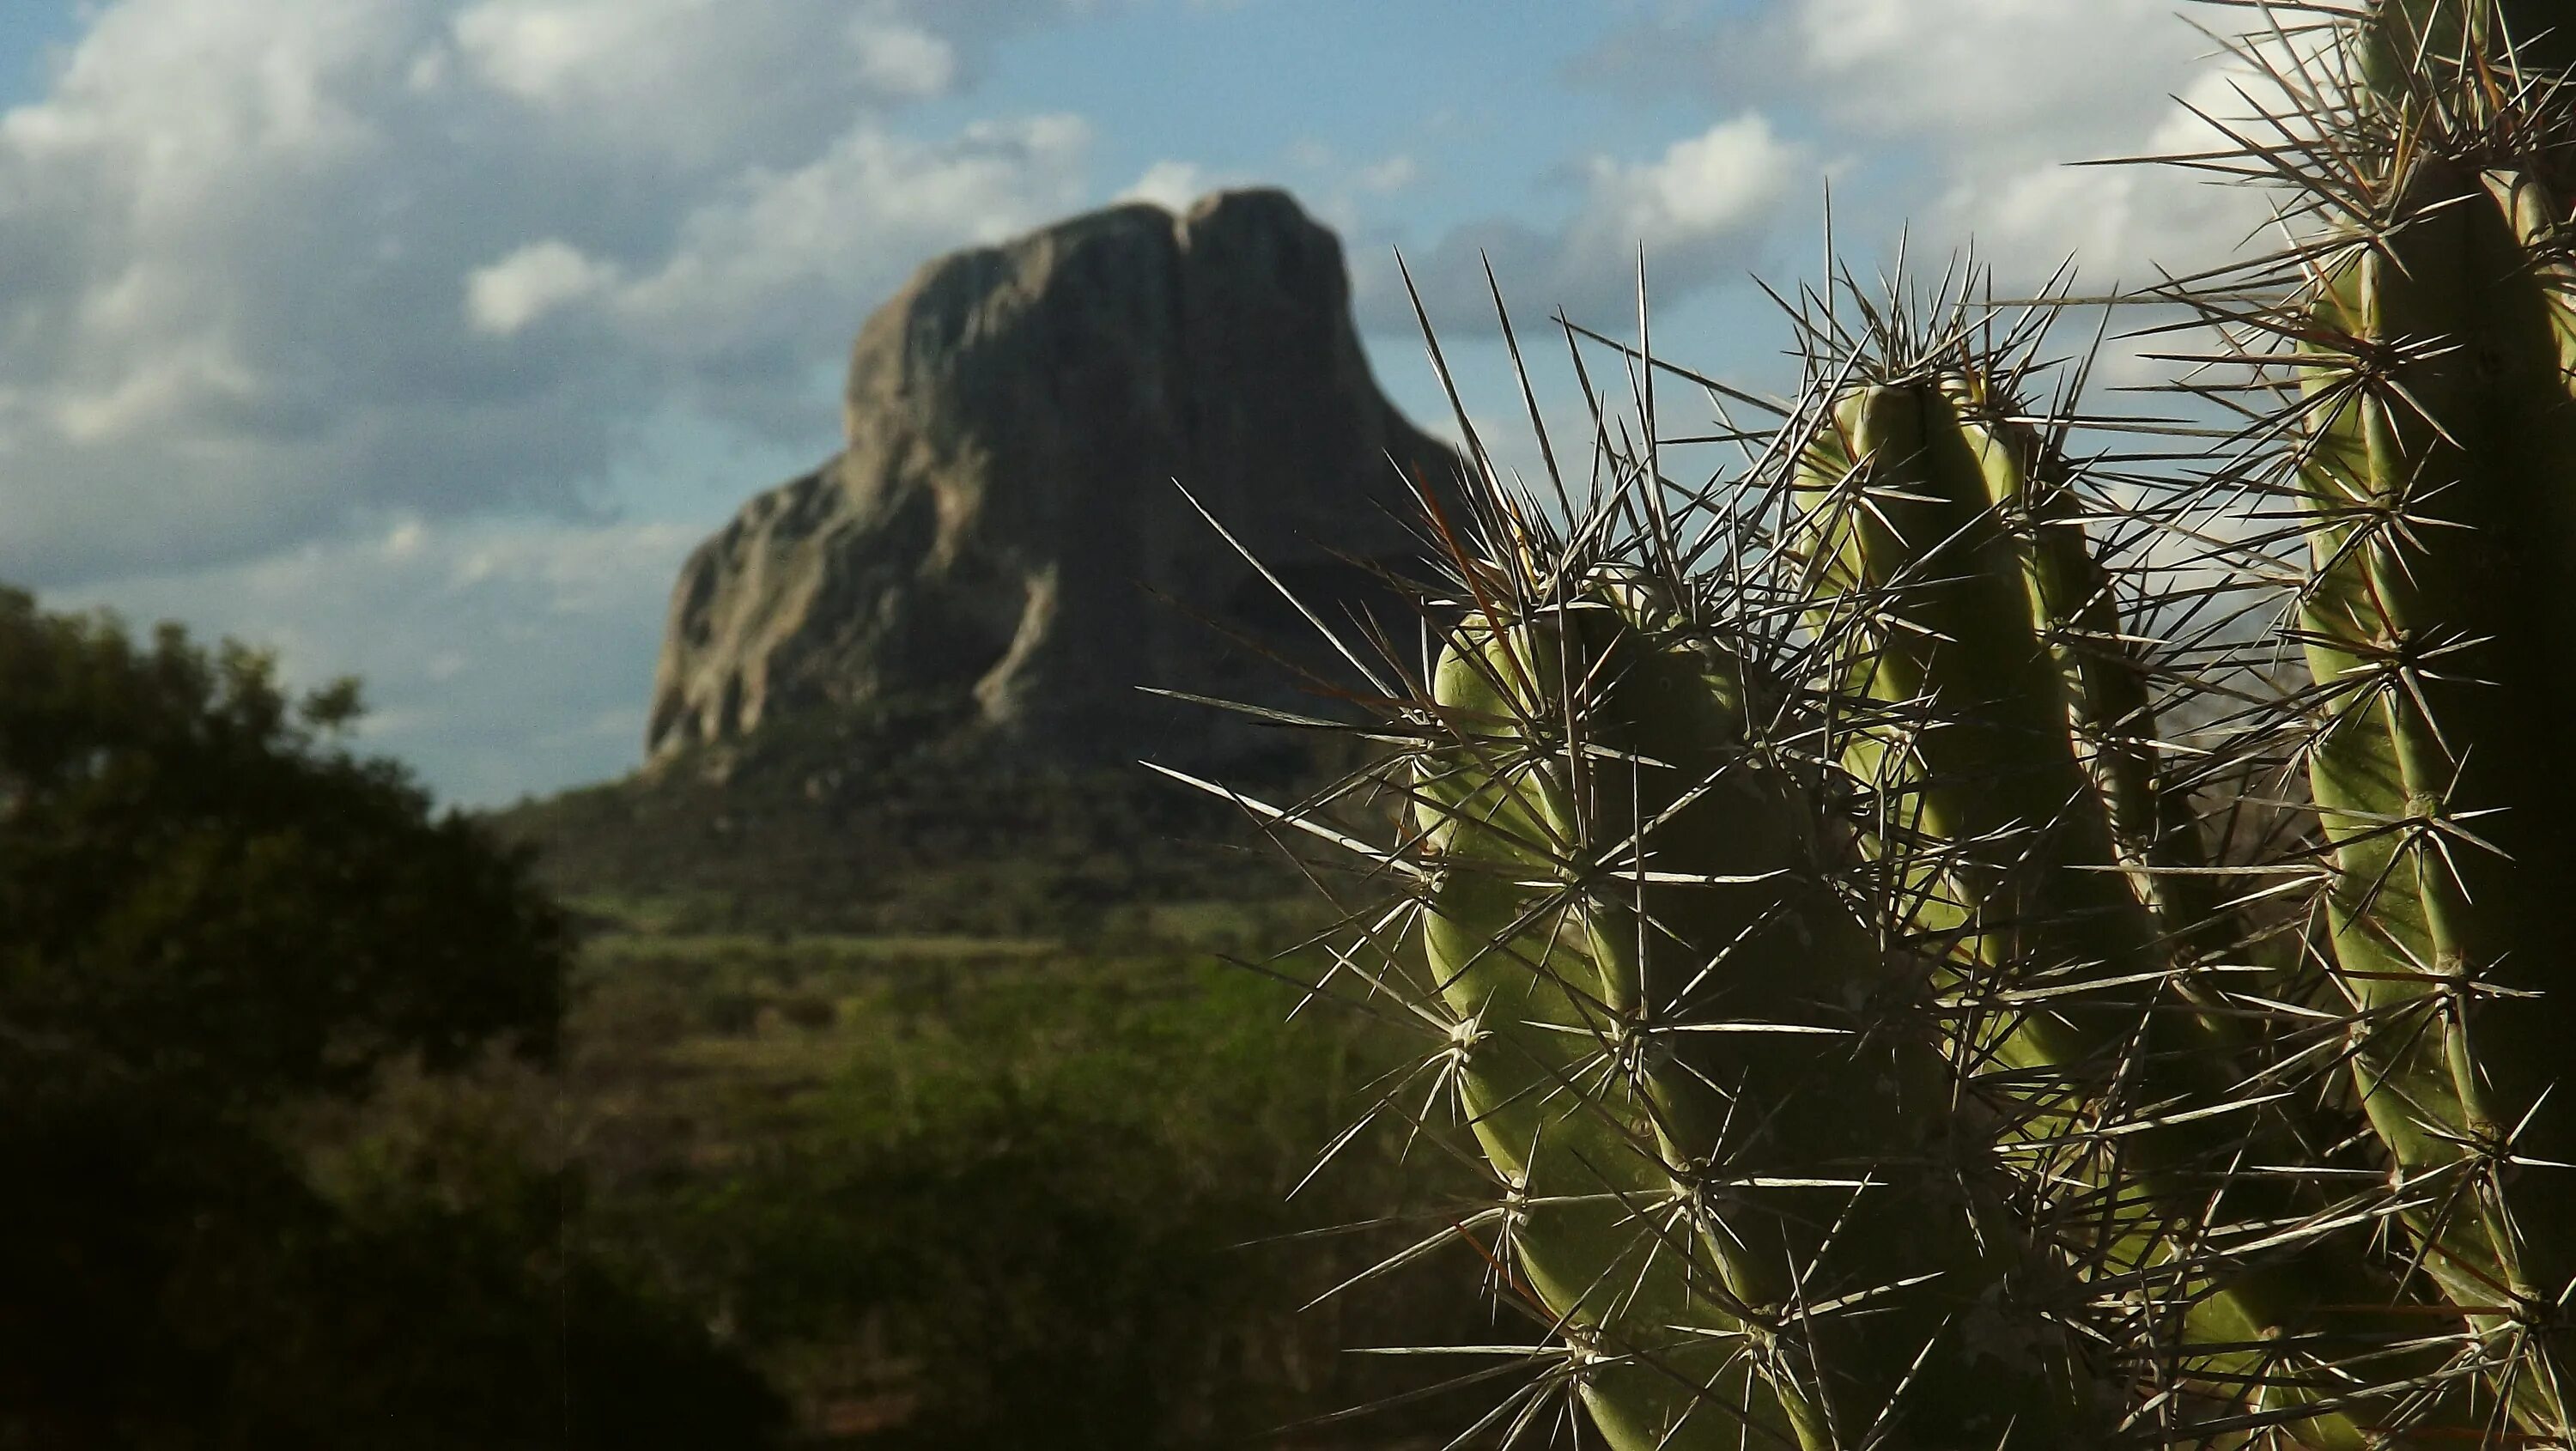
(990, 1144)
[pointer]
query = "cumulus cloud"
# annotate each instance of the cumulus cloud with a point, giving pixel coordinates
(901, 59)
(2053, 76)
(497, 660)
(2007, 92)
(775, 243)
(531, 282)
(2060, 78)
(706, 82)
(1971, 110)
(1389, 174)
(283, 271)
(728, 311)
(1169, 184)
(1717, 184)
(1700, 209)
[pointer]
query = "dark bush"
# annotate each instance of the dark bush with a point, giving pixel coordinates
(216, 917)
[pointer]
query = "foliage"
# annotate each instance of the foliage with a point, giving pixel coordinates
(1916, 967)
(1012, 1191)
(174, 1281)
(814, 825)
(202, 888)
(218, 919)
(333, 1135)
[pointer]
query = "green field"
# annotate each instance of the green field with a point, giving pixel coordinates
(970, 1189)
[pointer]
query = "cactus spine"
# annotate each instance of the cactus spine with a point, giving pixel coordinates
(2440, 455)
(2001, 720)
(1728, 1159)
(1867, 1039)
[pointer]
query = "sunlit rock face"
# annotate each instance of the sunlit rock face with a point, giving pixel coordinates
(1003, 548)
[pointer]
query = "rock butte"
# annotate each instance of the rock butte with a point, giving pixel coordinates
(1000, 550)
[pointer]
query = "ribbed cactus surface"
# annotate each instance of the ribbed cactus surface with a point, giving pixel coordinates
(1959, 929)
(1732, 1161)
(2000, 719)
(2440, 481)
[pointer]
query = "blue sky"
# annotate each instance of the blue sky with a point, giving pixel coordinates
(421, 338)
(31, 33)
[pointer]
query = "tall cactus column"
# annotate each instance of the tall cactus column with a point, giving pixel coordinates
(1536, 979)
(2435, 52)
(2441, 479)
(1741, 1180)
(2004, 725)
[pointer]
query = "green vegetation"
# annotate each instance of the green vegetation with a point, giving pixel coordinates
(1918, 968)
(1923, 938)
(220, 920)
(986, 1192)
(327, 1127)
(846, 827)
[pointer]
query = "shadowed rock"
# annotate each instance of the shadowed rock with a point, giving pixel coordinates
(983, 558)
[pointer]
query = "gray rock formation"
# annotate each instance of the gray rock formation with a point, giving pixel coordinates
(985, 554)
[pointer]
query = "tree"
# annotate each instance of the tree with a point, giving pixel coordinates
(212, 912)
(200, 883)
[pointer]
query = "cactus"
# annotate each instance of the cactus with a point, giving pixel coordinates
(1730, 1163)
(2000, 718)
(1880, 1024)
(2438, 455)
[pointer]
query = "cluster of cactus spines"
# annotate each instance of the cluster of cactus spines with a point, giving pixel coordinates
(1730, 1154)
(1916, 964)
(1997, 716)
(2436, 463)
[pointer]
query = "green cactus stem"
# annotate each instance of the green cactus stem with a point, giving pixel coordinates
(2453, 50)
(2441, 481)
(2006, 730)
(1735, 1156)
(2110, 710)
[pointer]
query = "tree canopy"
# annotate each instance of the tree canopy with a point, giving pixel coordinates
(214, 912)
(200, 881)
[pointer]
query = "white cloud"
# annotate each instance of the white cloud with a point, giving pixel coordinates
(531, 282)
(710, 83)
(1700, 210)
(1169, 184)
(1965, 114)
(555, 53)
(749, 271)
(195, 374)
(277, 271)
(902, 60)
(1721, 182)
(1393, 174)
(2048, 73)
(2121, 224)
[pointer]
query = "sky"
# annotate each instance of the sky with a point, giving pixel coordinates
(421, 339)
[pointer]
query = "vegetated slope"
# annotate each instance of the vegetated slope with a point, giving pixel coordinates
(953, 1192)
(822, 829)
(929, 1084)
(918, 1069)
(222, 925)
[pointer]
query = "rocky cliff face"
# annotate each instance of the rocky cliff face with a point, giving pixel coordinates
(986, 554)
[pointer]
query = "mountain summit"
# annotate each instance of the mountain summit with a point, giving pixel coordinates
(1000, 550)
